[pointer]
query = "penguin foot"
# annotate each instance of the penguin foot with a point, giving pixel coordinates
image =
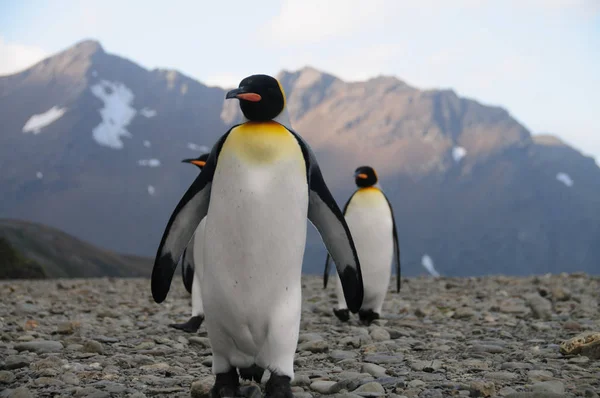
(254, 372)
(226, 385)
(191, 326)
(342, 315)
(278, 387)
(367, 316)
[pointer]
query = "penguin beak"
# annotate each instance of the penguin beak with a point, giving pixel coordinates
(243, 93)
(199, 163)
(362, 176)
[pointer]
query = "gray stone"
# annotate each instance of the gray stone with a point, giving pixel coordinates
(553, 386)
(371, 389)
(322, 386)
(379, 334)
(482, 389)
(539, 375)
(301, 380)
(384, 359)
(493, 349)
(314, 346)
(535, 395)
(6, 377)
(20, 392)
(16, 362)
(416, 383)
(40, 346)
(373, 369)
(541, 308)
(502, 375)
(201, 388)
(338, 355)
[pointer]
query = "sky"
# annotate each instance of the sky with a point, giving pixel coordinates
(539, 59)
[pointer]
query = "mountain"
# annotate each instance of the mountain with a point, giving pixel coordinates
(30, 250)
(473, 190)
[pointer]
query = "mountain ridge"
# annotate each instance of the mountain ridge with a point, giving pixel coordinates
(471, 186)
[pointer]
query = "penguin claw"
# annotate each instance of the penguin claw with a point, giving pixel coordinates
(191, 326)
(342, 315)
(226, 385)
(278, 387)
(367, 316)
(253, 372)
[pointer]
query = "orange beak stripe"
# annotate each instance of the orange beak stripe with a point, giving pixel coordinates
(200, 163)
(363, 176)
(252, 97)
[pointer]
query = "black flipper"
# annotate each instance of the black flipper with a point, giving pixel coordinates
(396, 246)
(326, 216)
(191, 326)
(186, 217)
(326, 271)
(187, 266)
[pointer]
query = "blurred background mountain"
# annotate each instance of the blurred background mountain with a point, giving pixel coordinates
(91, 146)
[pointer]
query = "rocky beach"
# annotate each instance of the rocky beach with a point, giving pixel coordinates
(445, 337)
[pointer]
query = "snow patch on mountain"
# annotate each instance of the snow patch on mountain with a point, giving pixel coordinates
(116, 114)
(427, 263)
(196, 147)
(149, 162)
(36, 123)
(458, 153)
(565, 179)
(148, 112)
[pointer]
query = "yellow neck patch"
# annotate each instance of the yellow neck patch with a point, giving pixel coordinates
(262, 142)
(370, 197)
(282, 93)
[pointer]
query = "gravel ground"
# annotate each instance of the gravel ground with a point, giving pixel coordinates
(469, 337)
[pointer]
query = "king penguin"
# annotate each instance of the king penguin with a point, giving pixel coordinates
(191, 267)
(260, 183)
(372, 223)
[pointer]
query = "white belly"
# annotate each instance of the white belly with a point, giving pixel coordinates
(371, 225)
(254, 243)
(198, 256)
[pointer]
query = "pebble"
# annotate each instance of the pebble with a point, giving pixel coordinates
(93, 346)
(554, 386)
(541, 308)
(373, 369)
(20, 392)
(482, 389)
(371, 389)
(6, 377)
(322, 386)
(482, 337)
(380, 334)
(41, 346)
(314, 346)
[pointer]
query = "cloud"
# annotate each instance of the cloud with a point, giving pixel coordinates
(16, 57)
(226, 80)
(316, 21)
(310, 21)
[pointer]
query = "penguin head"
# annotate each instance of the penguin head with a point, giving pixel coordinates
(365, 176)
(200, 161)
(261, 97)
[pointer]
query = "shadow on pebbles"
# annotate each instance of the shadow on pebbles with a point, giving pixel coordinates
(445, 337)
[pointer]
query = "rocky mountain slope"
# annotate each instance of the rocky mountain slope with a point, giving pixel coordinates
(474, 192)
(29, 250)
